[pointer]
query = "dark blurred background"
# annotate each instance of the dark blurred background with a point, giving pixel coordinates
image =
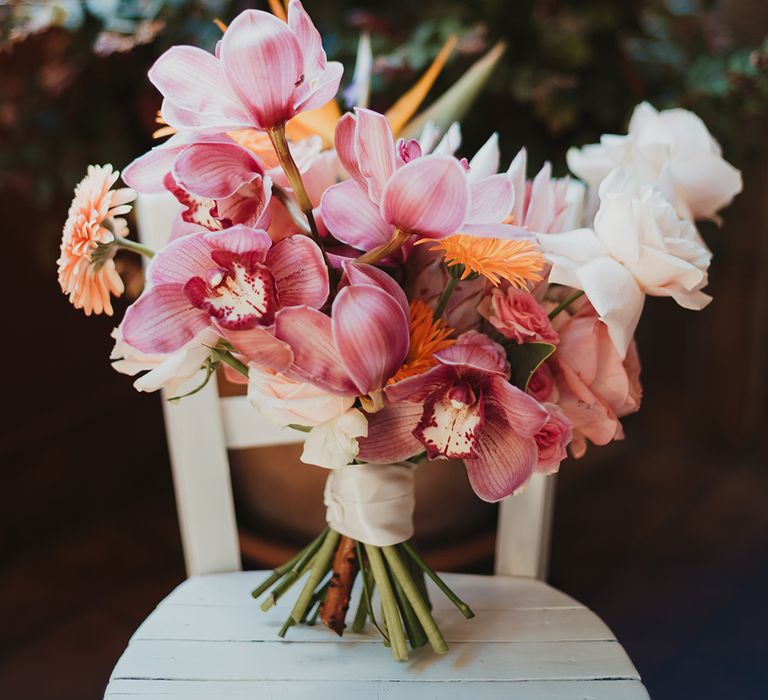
(664, 534)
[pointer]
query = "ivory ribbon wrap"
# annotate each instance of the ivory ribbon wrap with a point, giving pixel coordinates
(371, 503)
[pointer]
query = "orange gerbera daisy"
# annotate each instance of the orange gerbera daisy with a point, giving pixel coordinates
(518, 262)
(427, 336)
(87, 272)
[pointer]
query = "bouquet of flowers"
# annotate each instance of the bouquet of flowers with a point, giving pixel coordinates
(390, 299)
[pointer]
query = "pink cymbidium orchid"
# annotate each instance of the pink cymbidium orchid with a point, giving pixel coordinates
(361, 345)
(396, 191)
(264, 72)
(463, 408)
(234, 281)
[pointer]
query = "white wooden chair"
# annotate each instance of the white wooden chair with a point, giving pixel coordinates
(209, 640)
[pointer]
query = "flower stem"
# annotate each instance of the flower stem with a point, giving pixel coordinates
(134, 246)
(229, 359)
(416, 635)
(296, 214)
(369, 583)
(388, 603)
(400, 573)
(276, 575)
(320, 566)
(427, 569)
(395, 243)
(565, 303)
(442, 302)
(300, 565)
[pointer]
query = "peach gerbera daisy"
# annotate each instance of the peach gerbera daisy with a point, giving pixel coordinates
(517, 262)
(86, 267)
(427, 336)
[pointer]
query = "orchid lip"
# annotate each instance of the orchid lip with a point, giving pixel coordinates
(451, 423)
(239, 295)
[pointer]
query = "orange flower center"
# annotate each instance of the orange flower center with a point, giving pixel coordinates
(427, 336)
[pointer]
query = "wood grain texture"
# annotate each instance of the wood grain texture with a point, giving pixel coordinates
(209, 639)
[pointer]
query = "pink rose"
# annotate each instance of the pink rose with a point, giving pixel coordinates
(596, 386)
(553, 439)
(517, 315)
(287, 402)
(542, 385)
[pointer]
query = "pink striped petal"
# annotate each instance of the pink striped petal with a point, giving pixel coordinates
(428, 196)
(248, 206)
(519, 409)
(263, 63)
(352, 218)
(324, 90)
(193, 80)
(240, 240)
(474, 356)
(504, 462)
(309, 39)
(315, 356)
(215, 170)
(368, 274)
(301, 277)
(259, 345)
(344, 141)
(162, 320)
(146, 173)
(420, 386)
(189, 256)
(371, 333)
(491, 200)
(375, 149)
(390, 434)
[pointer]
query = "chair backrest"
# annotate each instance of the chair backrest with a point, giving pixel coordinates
(201, 428)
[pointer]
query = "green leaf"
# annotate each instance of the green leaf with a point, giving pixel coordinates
(525, 359)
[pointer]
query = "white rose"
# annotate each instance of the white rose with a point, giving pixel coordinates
(333, 444)
(638, 247)
(169, 371)
(671, 150)
(289, 402)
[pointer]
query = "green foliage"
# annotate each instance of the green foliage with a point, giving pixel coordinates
(525, 359)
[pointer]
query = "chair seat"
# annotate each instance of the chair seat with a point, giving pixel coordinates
(209, 640)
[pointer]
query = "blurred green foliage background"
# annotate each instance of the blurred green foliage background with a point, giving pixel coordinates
(73, 87)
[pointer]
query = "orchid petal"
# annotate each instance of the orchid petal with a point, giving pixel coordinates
(428, 196)
(371, 333)
(324, 90)
(259, 345)
(368, 274)
(516, 175)
(262, 61)
(417, 388)
(181, 259)
(146, 173)
(309, 39)
(344, 141)
(491, 199)
(352, 218)
(473, 356)
(315, 356)
(241, 240)
(390, 434)
(162, 320)
(215, 170)
(375, 150)
(522, 411)
(504, 462)
(193, 80)
(248, 206)
(301, 277)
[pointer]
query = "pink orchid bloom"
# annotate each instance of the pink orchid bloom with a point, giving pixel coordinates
(463, 408)
(235, 281)
(361, 345)
(394, 186)
(265, 71)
